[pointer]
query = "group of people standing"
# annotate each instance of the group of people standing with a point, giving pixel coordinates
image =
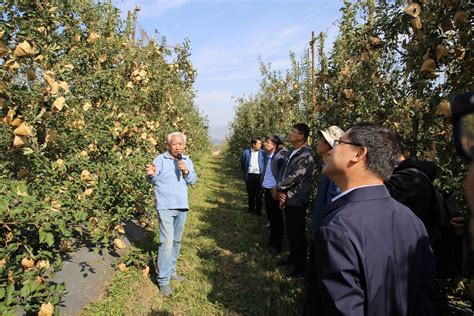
(370, 254)
(285, 177)
(375, 245)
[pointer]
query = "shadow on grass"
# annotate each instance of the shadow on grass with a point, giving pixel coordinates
(244, 275)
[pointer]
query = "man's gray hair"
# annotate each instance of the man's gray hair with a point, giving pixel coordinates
(175, 134)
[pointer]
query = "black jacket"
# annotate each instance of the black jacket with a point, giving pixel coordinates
(411, 188)
(297, 176)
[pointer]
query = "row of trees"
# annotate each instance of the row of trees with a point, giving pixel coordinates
(393, 63)
(82, 112)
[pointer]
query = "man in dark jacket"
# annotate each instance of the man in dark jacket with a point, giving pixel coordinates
(412, 185)
(372, 255)
(294, 190)
(252, 162)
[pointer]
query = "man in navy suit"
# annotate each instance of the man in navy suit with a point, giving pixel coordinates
(371, 255)
(253, 159)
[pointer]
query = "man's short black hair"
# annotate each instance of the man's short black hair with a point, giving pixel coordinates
(383, 149)
(303, 129)
(254, 140)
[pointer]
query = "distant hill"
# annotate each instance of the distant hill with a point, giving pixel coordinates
(218, 132)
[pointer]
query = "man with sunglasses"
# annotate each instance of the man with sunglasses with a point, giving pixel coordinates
(371, 254)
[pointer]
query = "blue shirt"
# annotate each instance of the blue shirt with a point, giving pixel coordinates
(171, 187)
(269, 181)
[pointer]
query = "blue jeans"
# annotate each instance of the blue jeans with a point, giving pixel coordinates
(171, 226)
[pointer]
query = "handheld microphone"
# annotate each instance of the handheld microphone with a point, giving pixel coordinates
(180, 157)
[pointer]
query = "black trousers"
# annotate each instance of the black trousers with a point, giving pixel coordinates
(275, 217)
(295, 231)
(254, 192)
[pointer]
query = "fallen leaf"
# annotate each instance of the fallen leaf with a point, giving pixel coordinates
(54, 88)
(12, 65)
(23, 130)
(3, 86)
(64, 86)
(51, 135)
(4, 50)
(48, 76)
(58, 104)
(19, 142)
(24, 49)
(31, 75)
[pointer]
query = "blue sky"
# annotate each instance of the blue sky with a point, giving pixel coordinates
(227, 36)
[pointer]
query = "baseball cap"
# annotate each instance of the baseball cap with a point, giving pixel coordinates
(331, 134)
(280, 138)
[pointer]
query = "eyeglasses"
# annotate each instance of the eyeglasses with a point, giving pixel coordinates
(338, 141)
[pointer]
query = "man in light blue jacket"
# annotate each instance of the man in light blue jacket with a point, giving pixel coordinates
(170, 174)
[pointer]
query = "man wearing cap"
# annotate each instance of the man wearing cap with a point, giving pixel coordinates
(274, 162)
(327, 189)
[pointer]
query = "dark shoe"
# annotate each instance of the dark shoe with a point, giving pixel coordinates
(296, 274)
(165, 290)
(178, 278)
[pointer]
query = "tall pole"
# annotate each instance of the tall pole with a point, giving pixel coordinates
(134, 23)
(313, 96)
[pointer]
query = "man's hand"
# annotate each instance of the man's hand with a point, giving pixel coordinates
(150, 170)
(458, 224)
(282, 198)
(183, 168)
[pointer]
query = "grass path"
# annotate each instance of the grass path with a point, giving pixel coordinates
(223, 256)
